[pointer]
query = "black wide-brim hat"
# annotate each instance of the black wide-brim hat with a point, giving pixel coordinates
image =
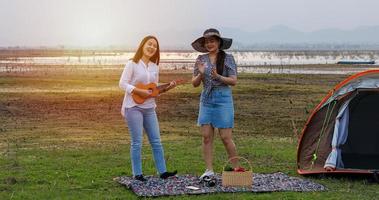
(198, 44)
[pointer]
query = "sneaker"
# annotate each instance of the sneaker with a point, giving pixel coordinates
(168, 174)
(208, 173)
(140, 178)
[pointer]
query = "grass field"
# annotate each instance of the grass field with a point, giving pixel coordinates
(62, 135)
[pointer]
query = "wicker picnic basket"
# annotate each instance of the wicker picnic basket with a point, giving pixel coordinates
(232, 178)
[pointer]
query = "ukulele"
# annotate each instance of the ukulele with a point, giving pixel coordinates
(155, 90)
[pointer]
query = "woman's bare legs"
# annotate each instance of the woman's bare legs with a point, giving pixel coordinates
(226, 137)
(208, 135)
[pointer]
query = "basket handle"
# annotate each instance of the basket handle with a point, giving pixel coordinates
(239, 157)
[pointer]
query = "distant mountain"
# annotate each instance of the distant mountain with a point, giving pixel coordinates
(284, 34)
(274, 38)
(361, 37)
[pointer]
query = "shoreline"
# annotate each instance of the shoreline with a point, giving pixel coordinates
(7, 69)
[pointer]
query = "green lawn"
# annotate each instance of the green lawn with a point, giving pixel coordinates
(62, 135)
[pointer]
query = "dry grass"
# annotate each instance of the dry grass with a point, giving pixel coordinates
(63, 135)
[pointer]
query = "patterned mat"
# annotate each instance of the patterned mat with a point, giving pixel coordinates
(179, 185)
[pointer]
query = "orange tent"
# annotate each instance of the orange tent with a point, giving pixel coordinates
(342, 133)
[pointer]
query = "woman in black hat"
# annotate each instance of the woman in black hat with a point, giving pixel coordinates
(217, 71)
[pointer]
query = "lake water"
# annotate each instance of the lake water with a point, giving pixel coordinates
(284, 62)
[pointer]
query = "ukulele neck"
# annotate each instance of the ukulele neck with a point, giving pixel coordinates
(162, 88)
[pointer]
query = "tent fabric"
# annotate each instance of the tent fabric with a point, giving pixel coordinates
(360, 83)
(340, 134)
(308, 144)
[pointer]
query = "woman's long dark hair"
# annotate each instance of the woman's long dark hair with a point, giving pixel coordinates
(220, 59)
(139, 53)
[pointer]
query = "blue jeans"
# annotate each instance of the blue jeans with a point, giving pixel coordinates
(139, 119)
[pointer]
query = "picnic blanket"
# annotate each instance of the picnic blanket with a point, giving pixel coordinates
(178, 185)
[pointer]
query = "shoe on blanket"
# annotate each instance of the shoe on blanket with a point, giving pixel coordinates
(208, 173)
(165, 175)
(140, 178)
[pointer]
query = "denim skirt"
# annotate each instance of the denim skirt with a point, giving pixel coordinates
(216, 108)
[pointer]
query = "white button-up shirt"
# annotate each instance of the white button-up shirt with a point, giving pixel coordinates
(137, 73)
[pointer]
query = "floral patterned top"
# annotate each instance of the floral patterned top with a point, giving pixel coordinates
(230, 69)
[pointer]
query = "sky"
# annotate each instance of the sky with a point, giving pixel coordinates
(123, 22)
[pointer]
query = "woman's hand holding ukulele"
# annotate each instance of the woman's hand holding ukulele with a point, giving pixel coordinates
(142, 92)
(169, 87)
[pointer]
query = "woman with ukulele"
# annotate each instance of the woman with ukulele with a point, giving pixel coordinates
(143, 68)
(217, 70)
